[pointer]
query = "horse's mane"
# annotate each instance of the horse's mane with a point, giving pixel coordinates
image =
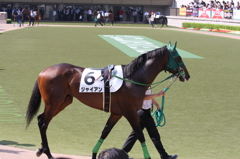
(137, 63)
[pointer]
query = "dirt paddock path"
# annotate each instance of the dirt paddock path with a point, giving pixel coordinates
(9, 152)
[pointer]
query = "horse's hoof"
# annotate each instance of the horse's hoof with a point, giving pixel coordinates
(94, 155)
(51, 158)
(39, 152)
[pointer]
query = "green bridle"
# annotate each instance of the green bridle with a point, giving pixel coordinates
(174, 60)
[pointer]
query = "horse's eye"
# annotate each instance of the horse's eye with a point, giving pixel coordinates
(179, 59)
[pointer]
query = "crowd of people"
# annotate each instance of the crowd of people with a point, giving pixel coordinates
(214, 4)
(70, 13)
(86, 15)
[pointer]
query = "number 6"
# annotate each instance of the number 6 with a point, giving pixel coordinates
(87, 77)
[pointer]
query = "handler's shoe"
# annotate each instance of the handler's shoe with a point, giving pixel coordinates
(173, 157)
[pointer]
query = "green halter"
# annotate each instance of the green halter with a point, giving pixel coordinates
(174, 60)
(174, 63)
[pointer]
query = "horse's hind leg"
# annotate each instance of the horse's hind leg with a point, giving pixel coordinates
(166, 21)
(51, 110)
(112, 120)
(134, 122)
(162, 24)
(43, 124)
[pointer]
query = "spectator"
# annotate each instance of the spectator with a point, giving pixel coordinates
(232, 5)
(135, 16)
(203, 3)
(128, 13)
(77, 14)
(71, 14)
(89, 15)
(110, 11)
(9, 13)
(54, 14)
(146, 16)
(59, 14)
(64, 14)
(67, 14)
(120, 14)
(140, 15)
(81, 15)
(85, 15)
(14, 15)
(41, 11)
(238, 6)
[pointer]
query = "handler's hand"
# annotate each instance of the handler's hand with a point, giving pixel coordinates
(158, 107)
(162, 93)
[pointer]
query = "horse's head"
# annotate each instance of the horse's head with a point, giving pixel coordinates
(175, 64)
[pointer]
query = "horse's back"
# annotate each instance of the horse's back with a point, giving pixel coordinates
(62, 70)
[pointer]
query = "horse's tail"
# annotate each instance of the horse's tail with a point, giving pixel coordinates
(34, 104)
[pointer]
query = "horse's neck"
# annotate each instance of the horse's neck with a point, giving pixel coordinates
(151, 69)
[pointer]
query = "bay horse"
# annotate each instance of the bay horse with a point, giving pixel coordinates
(105, 16)
(37, 16)
(162, 20)
(58, 84)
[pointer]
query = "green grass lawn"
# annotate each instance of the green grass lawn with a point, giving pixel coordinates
(202, 114)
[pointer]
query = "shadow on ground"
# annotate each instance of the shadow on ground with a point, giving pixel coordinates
(14, 143)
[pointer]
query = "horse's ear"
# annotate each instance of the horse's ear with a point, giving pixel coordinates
(175, 45)
(169, 44)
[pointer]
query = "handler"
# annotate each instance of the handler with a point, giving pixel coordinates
(151, 20)
(146, 121)
(98, 19)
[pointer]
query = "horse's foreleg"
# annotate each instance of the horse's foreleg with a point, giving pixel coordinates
(112, 120)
